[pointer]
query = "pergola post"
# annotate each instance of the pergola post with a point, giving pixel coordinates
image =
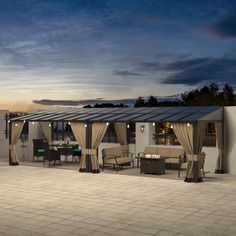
(88, 146)
(10, 129)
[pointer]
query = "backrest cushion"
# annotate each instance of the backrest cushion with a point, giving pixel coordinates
(113, 151)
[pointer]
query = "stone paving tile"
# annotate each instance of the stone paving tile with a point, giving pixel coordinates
(49, 201)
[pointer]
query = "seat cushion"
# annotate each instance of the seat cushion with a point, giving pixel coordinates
(41, 150)
(120, 160)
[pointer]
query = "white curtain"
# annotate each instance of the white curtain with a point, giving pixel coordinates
(47, 130)
(220, 144)
(98, 132)
(191, 137)
(121, 133)
(16, 129)
(79, 131)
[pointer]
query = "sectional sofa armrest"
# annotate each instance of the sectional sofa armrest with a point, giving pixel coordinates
(128, 154)
(182, 158)
(141, 154)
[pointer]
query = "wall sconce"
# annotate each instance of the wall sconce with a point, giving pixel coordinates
(85, 125)
(49, 125)
(107, 123)
(33, 123)
(188, 124)
(127, 126)
(153, 124)
(142, 128)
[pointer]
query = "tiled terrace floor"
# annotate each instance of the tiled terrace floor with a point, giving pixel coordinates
(50, 201)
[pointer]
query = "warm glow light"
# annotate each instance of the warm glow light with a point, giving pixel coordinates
(24, 121)
(128, 126)
(142, 128)
(49, 125)
(171, 126)
(33, 123)
(153, 124)
(9, 121)
(85, 125)
(69, 123)
(16, 124)
(107, 123)
(188, 124)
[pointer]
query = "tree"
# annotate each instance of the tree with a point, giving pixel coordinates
(228, 95)
(139, 102)
(152, 102)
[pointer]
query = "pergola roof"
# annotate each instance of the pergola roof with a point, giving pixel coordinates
(142, 114)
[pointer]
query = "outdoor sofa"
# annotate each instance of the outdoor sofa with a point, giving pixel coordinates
(116, 157)
(174, 155)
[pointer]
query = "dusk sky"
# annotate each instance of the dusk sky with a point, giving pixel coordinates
(113, 49)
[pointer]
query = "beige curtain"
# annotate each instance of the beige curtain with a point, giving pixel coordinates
(79, 131)
(191, 137)
(220, 144)
(121, 133)
(47, 130)
(98, 132)
(16, 130)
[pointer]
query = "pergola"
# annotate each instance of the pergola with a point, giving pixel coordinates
(89, 126)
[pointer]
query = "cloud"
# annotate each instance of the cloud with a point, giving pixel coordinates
(149, 66)
(125, 73)
(49, 102)
(201, 70)
(225, 27)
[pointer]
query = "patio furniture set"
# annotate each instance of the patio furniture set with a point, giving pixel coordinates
(154, 160)
(53, 152)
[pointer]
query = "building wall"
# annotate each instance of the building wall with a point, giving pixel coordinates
(4, 142)
(230, 139)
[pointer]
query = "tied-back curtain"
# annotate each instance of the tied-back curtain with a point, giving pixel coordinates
(121, 133)
(79, 131)
(47, 130)
(16, 130)
(220, 144)
(98, 132)
(191, 137)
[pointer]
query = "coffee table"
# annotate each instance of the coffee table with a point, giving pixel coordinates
(152, 165)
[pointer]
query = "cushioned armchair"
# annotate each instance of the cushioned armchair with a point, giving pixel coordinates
(38, 148)
(51, 155)
(116, 157)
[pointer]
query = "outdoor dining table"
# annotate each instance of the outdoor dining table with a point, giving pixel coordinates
(66, 149)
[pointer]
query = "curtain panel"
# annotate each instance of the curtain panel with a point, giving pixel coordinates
(16, 129)
(47, 130)
(98, 131)
(121, 133)
(191, 137)
(220, 144)
(79, 131)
